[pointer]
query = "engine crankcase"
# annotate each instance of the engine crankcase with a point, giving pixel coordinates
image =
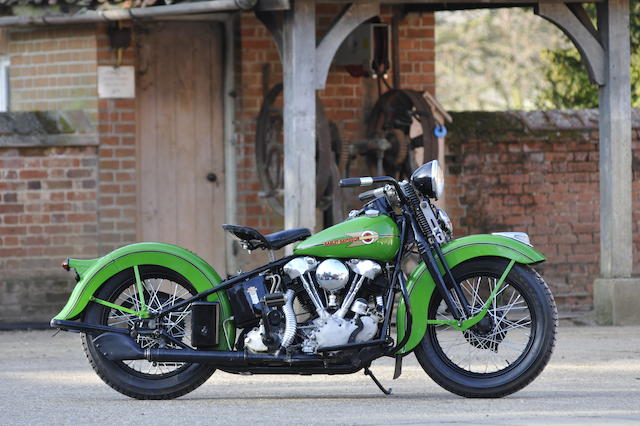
(335, 331)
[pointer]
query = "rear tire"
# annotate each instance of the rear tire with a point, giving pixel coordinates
(516, 349)
(132, 378)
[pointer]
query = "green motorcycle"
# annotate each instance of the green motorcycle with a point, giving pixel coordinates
(157, 320)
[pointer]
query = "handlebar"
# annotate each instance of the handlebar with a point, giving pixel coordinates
(368, 181)
(350, 182)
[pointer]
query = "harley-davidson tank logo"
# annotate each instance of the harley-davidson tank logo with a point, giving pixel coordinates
(356, 239)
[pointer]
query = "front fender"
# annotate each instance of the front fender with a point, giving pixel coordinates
(93, 274)
(421, 285)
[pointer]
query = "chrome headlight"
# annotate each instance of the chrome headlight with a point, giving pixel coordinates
(429, 179)
(445, 222)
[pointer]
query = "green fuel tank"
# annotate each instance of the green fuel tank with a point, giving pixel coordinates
(358, 238)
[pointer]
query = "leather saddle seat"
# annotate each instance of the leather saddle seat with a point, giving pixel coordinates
(252, 239)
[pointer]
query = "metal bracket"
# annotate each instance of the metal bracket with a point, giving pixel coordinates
(574, 22)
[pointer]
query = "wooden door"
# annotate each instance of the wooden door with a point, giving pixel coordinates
(180, 137)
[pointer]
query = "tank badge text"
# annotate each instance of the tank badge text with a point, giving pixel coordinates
(356, 239)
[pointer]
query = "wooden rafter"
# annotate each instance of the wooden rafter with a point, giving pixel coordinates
(575, 23)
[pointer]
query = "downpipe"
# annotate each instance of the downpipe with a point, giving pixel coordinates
(120, 347)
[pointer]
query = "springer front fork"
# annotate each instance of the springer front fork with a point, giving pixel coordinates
(464, 318)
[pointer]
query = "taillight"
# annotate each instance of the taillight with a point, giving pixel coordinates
(65, 265)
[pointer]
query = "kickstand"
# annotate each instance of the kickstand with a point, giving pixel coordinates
(368, 372)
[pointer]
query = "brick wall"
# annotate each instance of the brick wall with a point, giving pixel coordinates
(77, 198)
(117, 160)
(47, 210)
(53, 68)
(347, 100)
(536, 172)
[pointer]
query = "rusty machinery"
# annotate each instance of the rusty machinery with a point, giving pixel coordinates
(390, 146)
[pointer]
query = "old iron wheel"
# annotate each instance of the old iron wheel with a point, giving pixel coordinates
(269, 152)
(391, 119)
(142, 379)
(476, 363)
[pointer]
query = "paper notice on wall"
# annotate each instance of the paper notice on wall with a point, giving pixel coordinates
(117, 82)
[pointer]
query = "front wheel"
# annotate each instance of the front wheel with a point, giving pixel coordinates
(507, 349)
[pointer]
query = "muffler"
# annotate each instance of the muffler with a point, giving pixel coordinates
(120, 347)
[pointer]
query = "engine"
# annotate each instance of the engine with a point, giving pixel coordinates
(325, 304)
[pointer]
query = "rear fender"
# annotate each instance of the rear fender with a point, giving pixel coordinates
(94, 273)
(421, 285)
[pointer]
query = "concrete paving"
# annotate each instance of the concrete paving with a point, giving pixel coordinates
(593, 377)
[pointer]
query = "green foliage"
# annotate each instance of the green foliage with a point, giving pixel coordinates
(491, 60)
(569, 85)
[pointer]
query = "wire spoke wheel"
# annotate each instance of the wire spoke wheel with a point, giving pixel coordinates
(508, 348)
(495, 343)
(162, 287)
(159, 293)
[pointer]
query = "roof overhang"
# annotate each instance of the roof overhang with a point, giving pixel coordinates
(151, 12)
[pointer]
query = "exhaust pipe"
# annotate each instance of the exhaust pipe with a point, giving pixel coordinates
(120, 347)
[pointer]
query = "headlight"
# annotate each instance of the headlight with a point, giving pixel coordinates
(429, 179)
(445, 222)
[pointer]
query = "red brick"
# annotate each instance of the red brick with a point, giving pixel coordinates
(33, 174)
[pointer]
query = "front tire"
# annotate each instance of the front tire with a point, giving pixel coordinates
(504, 352)
(141, 379)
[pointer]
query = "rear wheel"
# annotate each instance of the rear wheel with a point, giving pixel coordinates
(142, 379)
(508, 348)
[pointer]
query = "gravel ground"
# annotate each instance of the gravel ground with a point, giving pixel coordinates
(593, 377)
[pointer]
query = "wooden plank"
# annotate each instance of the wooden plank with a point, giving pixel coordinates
(146, 136)
(217, 240)
(299, 47)
(165, 180)
(186, 53)
(208, 121)
(203, 115)
(616, 232)
(447, 3)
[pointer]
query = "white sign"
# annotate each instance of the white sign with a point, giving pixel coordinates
(117, 82)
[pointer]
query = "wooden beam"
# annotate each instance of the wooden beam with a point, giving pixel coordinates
(348, 20)
(273, 22)
(480, 3)
(616, 259)
(264, 5)
(582, 36)
(298, 64)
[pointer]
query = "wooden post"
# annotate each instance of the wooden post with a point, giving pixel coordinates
(616, 295)
(616, 243)
(298, 64)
